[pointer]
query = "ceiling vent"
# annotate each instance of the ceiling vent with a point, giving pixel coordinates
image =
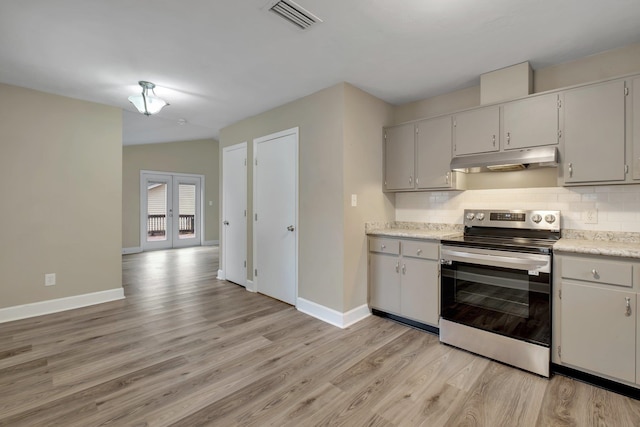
(295, 14)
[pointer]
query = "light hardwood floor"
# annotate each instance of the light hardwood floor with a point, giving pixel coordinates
(186, 349)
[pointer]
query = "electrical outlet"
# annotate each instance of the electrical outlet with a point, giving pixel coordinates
(354, 200)
(50, 279)
(590, 216)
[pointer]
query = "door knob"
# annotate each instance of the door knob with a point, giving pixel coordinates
(291, 228)
(226, 223)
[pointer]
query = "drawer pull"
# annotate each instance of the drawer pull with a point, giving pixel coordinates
(595, 273)
(383, 246)
(627, 311)
(419, 252)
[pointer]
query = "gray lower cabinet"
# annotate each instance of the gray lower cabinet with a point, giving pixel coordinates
(595, 317)
(594, 133)
(403, 278)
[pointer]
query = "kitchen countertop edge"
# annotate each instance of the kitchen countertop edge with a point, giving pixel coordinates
(425, 231)
(598, 247)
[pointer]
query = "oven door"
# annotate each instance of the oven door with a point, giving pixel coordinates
(503, 292)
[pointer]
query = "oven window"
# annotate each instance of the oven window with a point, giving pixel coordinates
(506, 301)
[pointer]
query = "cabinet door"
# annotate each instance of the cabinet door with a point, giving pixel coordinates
(477, 131)
(419, 290)
(384, 282)
(433, 153)
(635, 117)
(399, 157)
(531, 122)
(597, 334)
(594, 144)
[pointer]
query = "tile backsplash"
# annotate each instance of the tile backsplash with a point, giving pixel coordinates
(618, 206)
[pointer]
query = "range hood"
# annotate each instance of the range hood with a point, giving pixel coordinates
(527, 158)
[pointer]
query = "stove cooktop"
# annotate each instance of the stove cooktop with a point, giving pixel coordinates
(517, 230)
(514, 244)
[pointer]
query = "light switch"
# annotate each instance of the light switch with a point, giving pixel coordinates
(210, 203)
(354, 200)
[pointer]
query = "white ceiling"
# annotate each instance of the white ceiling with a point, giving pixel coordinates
(219, 61)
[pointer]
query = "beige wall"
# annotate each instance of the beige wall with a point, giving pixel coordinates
(362, 165)
(320, 226)
(61, 189)
(340, 154)
(196, 157)
(611, 63)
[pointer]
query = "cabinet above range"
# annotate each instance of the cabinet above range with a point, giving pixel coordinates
(590, 133)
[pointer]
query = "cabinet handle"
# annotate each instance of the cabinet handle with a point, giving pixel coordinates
(508, 138)
(404, 269)
(494, 140)
(419, 252)
(627, 311)
(446, 177)
(410, 180)
(397, 266)
(570, 170)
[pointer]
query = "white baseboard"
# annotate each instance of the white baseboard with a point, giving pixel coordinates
(220, 275)
(134, 250)
(250, 286)
(61, 304)
(331, 316)
(210, 242)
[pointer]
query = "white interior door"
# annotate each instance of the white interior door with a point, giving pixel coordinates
(170, 210)
(234, 215)
(275, 215)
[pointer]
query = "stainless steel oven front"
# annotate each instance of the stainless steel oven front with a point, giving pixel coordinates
(497, 303)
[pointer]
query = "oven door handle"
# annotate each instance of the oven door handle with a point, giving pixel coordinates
(533, 263)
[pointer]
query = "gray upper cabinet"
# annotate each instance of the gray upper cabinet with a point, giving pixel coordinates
(476, 131)
(433, 153)
(635, 131)
(531, 122)
(594, 133)
(399, 149)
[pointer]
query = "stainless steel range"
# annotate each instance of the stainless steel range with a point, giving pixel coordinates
(496, 286)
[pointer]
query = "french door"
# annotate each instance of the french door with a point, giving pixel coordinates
(170, 210)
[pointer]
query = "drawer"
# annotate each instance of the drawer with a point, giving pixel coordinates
(385, 246)
(420, 249)
(598, 271)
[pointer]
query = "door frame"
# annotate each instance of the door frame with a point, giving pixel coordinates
(222, 272)
(296, 132)
(143, 202)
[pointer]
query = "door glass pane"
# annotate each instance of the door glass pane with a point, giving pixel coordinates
(187, 211)
(156, 211)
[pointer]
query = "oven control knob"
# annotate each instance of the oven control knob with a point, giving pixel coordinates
(480, 216)
(550, 218)
(536, 218)
(470, 216)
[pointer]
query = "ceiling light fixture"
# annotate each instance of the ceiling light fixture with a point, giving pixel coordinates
(147, 102)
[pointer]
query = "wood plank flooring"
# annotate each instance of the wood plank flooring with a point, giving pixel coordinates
(185, 349)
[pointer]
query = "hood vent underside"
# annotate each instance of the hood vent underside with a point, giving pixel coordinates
(528, 158)
(295, 14)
